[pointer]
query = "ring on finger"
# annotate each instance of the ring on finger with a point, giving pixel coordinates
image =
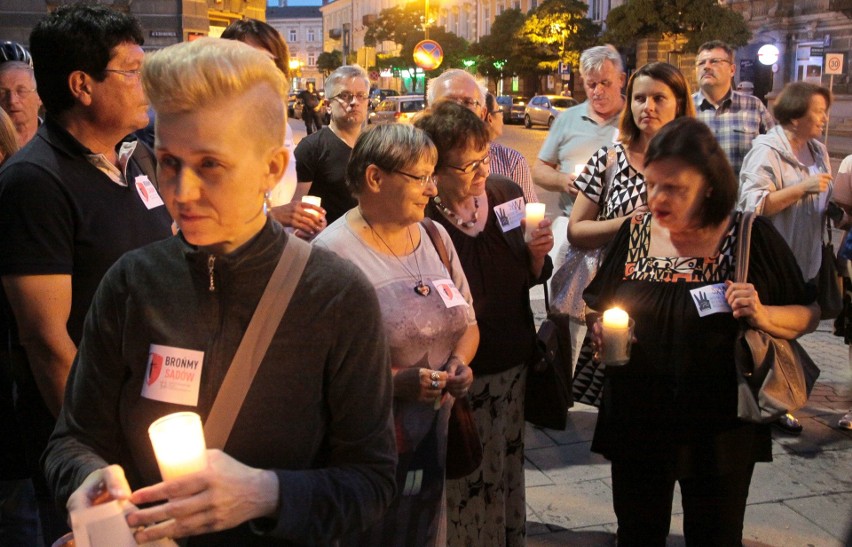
(435, 384)
(435, 375)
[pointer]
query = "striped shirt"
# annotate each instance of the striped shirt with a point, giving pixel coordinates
(510, 163)
(736, 122)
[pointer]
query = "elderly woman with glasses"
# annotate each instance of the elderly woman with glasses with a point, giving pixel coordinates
(479, 211)
(427, 313)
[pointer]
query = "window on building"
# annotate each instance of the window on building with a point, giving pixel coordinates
(311, 35)
(486, 12)
(312, 60)
(293, 35)
(517, 4)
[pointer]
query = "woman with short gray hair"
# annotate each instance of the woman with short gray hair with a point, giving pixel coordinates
(427, 313)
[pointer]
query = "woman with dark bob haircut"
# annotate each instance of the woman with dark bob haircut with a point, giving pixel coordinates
(670, 413)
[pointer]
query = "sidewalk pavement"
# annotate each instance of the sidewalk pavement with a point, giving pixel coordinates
(802, 498)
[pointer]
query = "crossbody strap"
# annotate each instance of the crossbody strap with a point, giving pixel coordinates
(608, 175)
(262, 327)
(438, 243)
(743, 246)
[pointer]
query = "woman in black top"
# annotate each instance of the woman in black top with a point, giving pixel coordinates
(487, 507)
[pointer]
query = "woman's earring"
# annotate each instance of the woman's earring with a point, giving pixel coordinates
(266, 204)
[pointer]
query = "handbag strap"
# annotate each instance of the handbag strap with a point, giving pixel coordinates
(743, 246)
(438, 243)
(609, 174)
(255, 342)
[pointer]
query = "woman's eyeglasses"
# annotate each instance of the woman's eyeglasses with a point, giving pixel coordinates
(421, 181)
(472, 166)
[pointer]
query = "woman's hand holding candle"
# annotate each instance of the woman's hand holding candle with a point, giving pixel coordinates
(223, 495)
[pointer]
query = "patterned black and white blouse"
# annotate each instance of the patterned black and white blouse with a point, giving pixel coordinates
(627, 191)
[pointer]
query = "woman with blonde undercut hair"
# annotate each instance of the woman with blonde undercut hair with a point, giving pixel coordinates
(310, 459)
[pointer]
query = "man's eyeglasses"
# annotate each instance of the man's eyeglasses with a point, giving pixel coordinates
(346, 97)
(466, 102)
(472, 166)
(129, 73)
(421, 181)
(19, 92)
(713, 61)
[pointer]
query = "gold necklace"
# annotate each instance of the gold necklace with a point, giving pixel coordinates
(420, 288)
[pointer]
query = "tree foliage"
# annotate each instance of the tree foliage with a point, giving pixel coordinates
(329, 61)
(698, 20)
(398, 24)
(560, 30)
(499, 45)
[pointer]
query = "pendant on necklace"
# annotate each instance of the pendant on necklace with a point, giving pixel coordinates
(421, 289)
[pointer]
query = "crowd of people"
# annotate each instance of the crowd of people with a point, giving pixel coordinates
(409, 287)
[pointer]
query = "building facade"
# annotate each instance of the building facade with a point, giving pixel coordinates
(165, 22)
(301, 27)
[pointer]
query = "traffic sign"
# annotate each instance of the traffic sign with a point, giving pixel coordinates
(834, 63)
(428, 54)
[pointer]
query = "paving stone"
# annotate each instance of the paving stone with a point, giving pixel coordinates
(779, 524)
(580, 504)
(569, 463)
(823, 511)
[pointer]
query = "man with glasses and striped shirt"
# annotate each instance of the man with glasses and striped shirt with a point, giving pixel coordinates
(735, 118)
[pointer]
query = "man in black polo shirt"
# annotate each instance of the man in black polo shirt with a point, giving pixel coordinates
(71, 202)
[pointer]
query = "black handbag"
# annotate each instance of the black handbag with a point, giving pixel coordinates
(829, 283)
(548, 391)
(464, 448)
(774, 376)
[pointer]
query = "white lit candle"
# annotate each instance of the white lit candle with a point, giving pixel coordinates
(179, 445)
(579, 168)
(615, 318)
(617, 333)
(313, 200)
(534, 214)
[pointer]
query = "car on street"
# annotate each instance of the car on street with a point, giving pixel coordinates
(543, 109)
(377, 95)
(398, 109)
(513, 107)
